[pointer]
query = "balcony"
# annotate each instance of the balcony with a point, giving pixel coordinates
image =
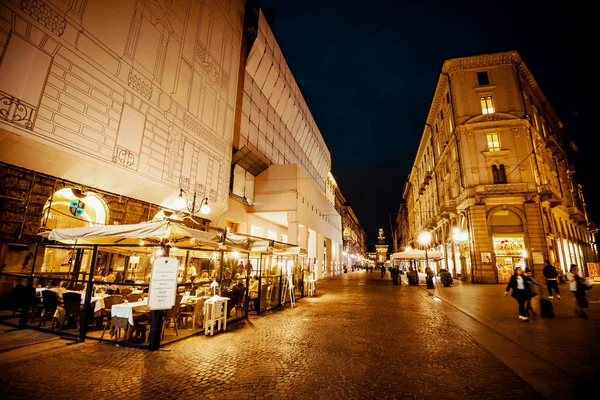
(576, 215)
(447, 208)
(427, 178)
(547, 193)
(504, 188)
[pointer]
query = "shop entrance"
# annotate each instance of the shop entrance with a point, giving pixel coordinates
(510, 252)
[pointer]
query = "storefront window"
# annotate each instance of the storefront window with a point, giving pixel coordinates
(510, 254)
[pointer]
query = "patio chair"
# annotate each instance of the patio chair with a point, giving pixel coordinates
(50, 301)
(132, 298)
(106, 313)
(72, 304)
(126, 291)
(171, 315)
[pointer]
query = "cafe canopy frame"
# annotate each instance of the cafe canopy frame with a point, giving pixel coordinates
(166, 232)
(416, 254)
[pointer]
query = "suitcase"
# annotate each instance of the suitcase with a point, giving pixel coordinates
(546, 308)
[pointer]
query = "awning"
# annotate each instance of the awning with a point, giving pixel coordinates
(153, 232)
(416, 254)
(165, 232)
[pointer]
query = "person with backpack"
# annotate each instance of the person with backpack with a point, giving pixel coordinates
(551, 276)
(520, 291)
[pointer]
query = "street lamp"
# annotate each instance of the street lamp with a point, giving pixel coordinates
(192, 206)
(424, 240)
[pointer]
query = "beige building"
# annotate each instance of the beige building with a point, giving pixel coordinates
(109, 109)
(355, 239)
(282, 187)
(493, 178)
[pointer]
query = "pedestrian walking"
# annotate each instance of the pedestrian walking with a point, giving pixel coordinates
(532, 292)
(578, 286)
(382, 271)
(429, 277)
(520, 291)
(551, 276)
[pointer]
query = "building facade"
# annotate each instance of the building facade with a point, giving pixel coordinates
(355, 239)
(282, 187)
(400, 234)
(126, 116)
(493, 178)
(107, 126)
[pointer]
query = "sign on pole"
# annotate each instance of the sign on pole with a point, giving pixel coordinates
(163, 283)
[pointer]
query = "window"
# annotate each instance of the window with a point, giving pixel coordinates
(483, 78)
(501, 174)
(232, 227)
(441, 114)
(271, 235)
(493, 142)
(450, 125)
(257, 231)
(487, 104)
(498, 174)
(448, 98)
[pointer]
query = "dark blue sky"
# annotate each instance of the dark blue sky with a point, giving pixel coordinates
(370, 69)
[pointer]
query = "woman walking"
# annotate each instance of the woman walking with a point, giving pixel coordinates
(578, 287)
(520, 291)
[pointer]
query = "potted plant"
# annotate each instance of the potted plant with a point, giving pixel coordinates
(446, 277)
(395, 272)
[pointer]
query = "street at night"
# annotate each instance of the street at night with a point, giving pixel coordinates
(358, 338)
(278, 199)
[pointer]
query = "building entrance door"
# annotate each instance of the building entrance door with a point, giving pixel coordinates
(510, 254)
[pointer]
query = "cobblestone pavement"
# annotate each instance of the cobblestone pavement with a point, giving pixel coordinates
(567, 342)
(359, 338)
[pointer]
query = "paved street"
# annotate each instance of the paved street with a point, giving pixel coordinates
(359, 338)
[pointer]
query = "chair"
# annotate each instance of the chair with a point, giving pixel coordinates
(132, 298)
(106, 313)
(172, 315)
(196, 313)
(50, 300)
(6, 288)
(72, 304)
(126, 291)
(78, 286)
(241, 301)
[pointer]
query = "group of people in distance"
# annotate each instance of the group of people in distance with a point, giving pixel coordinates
(521, 286)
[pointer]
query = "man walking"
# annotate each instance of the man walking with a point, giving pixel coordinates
(551, 276)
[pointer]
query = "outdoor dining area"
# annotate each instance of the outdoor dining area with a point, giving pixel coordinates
(119, 283)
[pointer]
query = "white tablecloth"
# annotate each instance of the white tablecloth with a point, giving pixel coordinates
(125, 310)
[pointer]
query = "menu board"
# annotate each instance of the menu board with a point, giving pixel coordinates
(163, 283)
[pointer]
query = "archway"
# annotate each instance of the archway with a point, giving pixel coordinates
(72, 208)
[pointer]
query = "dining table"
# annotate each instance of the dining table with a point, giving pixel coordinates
(122, 316)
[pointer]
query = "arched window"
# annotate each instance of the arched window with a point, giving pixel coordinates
(72, 208)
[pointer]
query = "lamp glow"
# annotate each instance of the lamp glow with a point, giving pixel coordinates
(424, 238)
(205, 208)
(179, 203)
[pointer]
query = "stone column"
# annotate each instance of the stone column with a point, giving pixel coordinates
(293, 233)
(484, 271)
(329, 257)
(320, 257)
(303, 237)
(536, 238)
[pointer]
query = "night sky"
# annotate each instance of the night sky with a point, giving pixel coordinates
(370, 68)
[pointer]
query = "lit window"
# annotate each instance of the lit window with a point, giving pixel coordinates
(487, 105)
(450, 125)
(493, 141)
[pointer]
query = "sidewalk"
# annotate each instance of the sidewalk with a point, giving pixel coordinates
(566, 342)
